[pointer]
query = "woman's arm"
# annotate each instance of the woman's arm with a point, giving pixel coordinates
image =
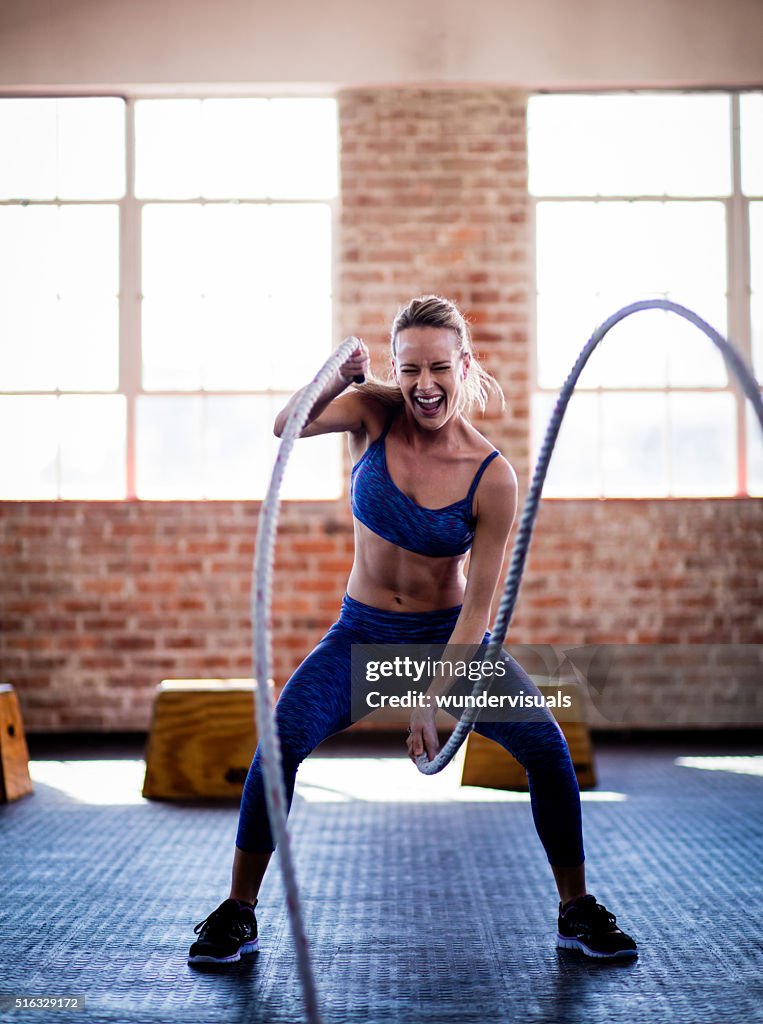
(327, 415)
(496, 509)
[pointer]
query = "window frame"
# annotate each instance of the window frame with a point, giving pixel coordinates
(738, 287)
(130, 297)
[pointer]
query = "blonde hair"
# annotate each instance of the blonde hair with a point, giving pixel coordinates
(435, 311)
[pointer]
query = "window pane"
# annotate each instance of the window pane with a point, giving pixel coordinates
(80, 436)
(93, 446)
(635, 351)
(634, 445)
(234, 344)
(703, 444)
(28, 147)
(69, 345)
(236, 147)
(87, 259)
(59, 250)
(28, 344)
(594, 258)
(172, 250)
(59, 323)
(756, 282)
(71, 148)
(214, 447)
(314, 471)
(751, 111)
(170, 455)
(295, 339)
(220, 283)
(299, 249)
(304, 148)
(91, 148)
(29, 265)
(168, 149)
(239, 446)
(573, 471)
(658, 144)
(172, 343)
(754, 452)
(192, 249)
(563, 328)
(28, 467)
(235, 249)
(88, 344)
(693, 359)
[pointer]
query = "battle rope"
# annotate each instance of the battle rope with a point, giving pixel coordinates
(524, 533)
(262, 584)
(275, 792)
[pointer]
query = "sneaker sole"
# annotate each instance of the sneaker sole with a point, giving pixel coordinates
(248, 947)
(564, 942)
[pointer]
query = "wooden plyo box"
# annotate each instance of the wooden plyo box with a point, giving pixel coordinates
(202, 740)
(14, 754)
(486, 763)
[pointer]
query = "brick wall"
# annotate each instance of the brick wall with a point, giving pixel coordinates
(100, 601)
(103, 600)
(434, 198)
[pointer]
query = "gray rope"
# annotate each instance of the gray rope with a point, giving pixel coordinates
(749, 385)
(275, 793)
(262, 590)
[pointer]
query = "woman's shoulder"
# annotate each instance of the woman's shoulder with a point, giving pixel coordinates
(377, 415)
(496, 478)
(480, 446)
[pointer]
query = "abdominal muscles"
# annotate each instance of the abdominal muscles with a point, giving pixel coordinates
(387, 576)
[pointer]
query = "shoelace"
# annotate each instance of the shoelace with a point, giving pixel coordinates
(599, 916)
(215, 918)
(207, 920)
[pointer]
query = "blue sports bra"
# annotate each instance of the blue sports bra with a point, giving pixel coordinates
(381, 506)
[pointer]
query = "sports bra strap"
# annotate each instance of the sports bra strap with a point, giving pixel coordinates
(478, 474)
(388, 424)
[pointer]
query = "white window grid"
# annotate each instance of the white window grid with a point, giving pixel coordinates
(737, 213)
(130, 295)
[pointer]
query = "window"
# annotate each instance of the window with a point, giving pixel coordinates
(165, 283)
(648, 196)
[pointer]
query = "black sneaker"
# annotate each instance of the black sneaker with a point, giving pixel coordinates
(228, 932)
(589, 927)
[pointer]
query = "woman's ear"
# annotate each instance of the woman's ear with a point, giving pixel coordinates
(394, 369)
(467, 360)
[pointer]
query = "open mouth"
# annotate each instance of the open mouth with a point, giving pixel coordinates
(429, 406)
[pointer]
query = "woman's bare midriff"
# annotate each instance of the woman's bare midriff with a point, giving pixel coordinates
(387, 576)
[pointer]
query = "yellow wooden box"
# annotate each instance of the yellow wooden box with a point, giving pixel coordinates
(202, 739)
(15, 781)
(486, 763)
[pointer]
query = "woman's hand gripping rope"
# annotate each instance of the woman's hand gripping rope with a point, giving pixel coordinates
(422, 734)
(354, 369)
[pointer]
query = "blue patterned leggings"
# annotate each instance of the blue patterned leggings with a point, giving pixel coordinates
(315, 704)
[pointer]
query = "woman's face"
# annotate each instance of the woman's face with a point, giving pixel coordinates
(427, 365)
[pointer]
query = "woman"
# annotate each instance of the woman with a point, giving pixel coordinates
(426, 487)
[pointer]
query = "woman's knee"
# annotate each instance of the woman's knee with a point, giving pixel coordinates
(294, 746)
(539, 746)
